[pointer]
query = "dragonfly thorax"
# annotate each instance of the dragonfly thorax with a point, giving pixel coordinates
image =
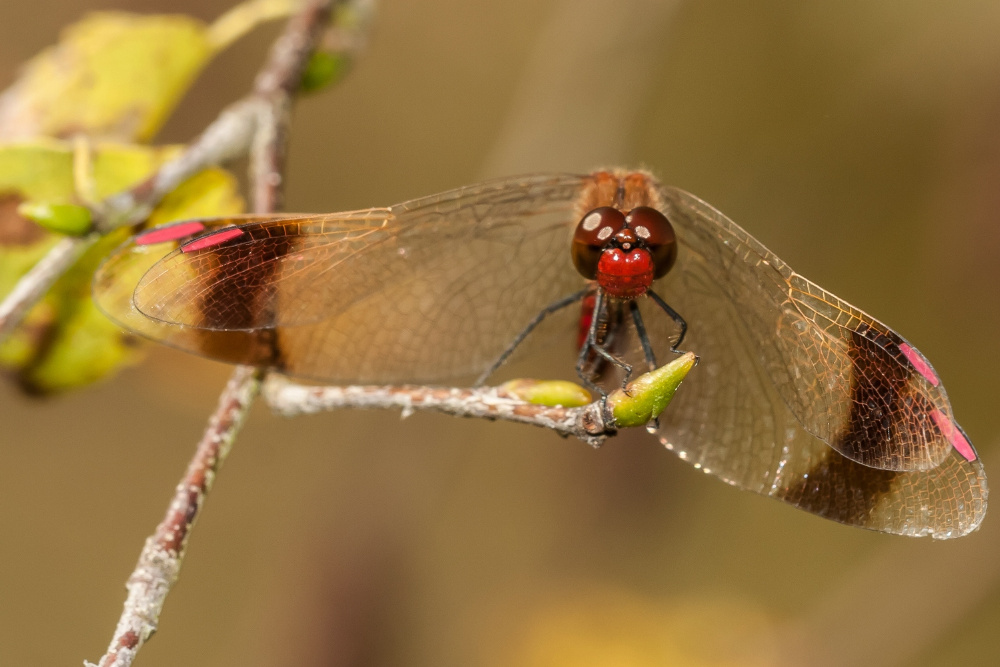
(624, 253)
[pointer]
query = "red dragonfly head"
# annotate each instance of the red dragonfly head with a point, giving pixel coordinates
(624, 253)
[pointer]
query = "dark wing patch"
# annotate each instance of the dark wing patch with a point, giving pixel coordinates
(430, 289)
(799, 396)
(803, 335)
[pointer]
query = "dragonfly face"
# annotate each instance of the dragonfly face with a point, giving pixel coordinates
(624, 253)
(798, 395)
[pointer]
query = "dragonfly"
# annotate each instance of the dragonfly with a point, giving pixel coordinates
(798, 395)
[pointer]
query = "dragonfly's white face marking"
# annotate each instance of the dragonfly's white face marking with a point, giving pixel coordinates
(642, 232)
(605, 233)
(591, 222)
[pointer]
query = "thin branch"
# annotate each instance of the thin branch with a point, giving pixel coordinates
(290, 53)
(228, 137)
(274, 86)
(586, 423)
(160, 561)
(35, 283)
(225, 139)
(521, 401)
(261, 116)
(258, 123)
(267, 156)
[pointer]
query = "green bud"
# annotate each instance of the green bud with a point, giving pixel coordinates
(323, 69)
(650, 393)
(68, 219)
(553, 393)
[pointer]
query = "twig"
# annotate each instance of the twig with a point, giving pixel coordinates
(260, 117)
(226, 138)
(259, 123)
(274, 87)
(36, 282)
(160, 561)
(587, 423)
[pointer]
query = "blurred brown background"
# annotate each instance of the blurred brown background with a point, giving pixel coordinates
(857, 140)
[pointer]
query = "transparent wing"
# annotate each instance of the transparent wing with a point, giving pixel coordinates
(262, 274)
(429, 289)
(802, 397)
(798, 395)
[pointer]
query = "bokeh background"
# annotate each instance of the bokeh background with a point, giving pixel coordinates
(857, 140)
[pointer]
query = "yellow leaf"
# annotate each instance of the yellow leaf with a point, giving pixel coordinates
(65, 341)
(212, 192)
(112, 76)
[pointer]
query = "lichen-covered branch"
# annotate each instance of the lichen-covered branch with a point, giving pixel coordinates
(257, 124)
(36, 282)
(587, 422)
(228, 137)
(539, 403)
(160, 561)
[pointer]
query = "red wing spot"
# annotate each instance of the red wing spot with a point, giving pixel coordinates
(172, 232)
(214, 239)
(918, 361)
(954, 434)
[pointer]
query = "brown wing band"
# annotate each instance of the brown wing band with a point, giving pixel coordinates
(240, 294)
(838, 487)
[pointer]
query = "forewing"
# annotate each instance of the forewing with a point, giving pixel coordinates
(817, 407)
(430, 289)
(262, 274)
(848, 379)
(116, 279)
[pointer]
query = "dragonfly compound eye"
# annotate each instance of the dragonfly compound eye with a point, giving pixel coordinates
(592, 235)
(658, 236)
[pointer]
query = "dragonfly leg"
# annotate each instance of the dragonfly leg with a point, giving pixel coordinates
(548, 310)
(591, 345)
(675, 347)
(640, 330)
(607, 356)
(581, 361)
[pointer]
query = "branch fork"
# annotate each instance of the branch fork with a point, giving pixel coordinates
(257, 125)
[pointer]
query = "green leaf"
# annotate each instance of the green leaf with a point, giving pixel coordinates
(646, 397)
(209, 193)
